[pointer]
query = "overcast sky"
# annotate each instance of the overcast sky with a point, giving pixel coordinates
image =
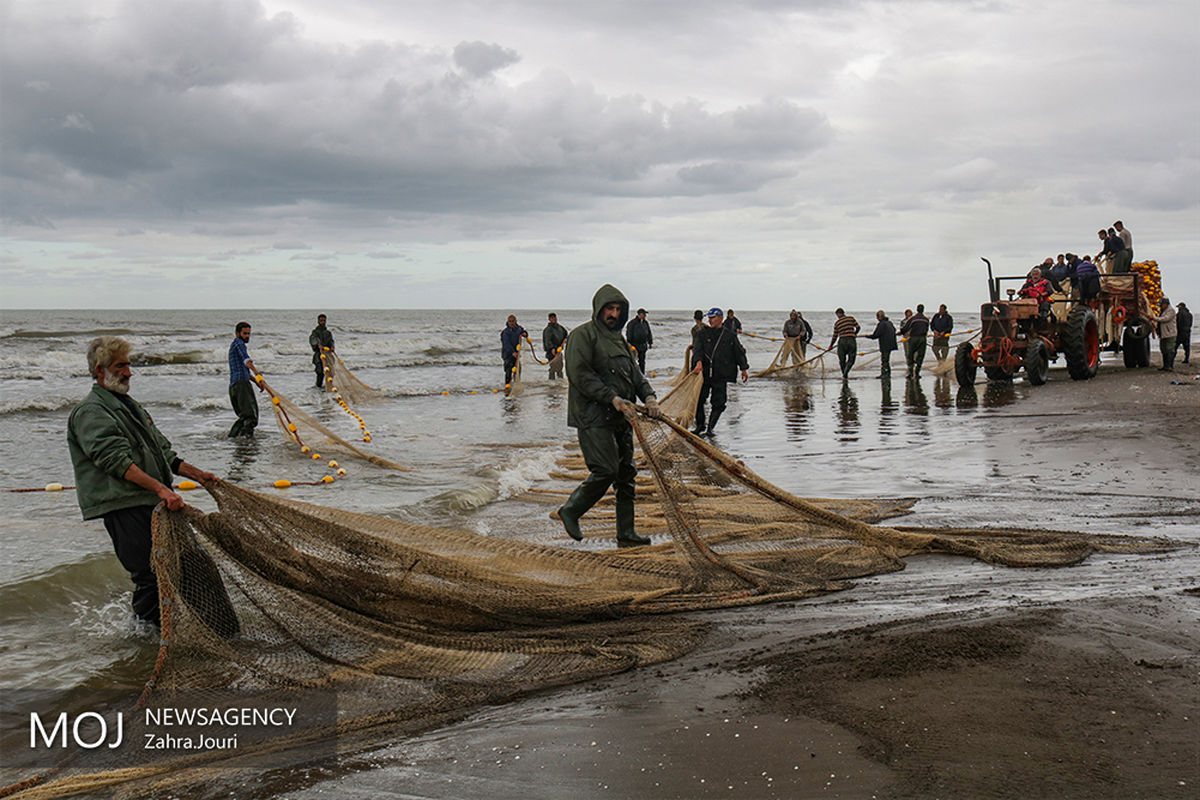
(760, 154)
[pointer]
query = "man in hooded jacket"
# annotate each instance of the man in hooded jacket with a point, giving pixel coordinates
(604, 382)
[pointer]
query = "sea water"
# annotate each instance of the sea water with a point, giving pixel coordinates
(64, 616)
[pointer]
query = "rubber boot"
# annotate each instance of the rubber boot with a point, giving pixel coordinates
(570, 523)
(712, 422)
(626, 536)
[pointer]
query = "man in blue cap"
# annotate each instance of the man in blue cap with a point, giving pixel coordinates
(716, 354)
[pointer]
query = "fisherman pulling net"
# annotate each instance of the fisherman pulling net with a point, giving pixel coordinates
(411, 624)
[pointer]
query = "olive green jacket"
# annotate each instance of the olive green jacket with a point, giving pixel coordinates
(601, 366)
(105, 436)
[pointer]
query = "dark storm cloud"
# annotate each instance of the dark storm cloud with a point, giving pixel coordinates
(171, 109)
(480, 58)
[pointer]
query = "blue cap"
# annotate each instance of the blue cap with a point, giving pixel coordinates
(715, 312)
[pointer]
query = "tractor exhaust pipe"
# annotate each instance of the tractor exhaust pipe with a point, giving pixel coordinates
(993, 287)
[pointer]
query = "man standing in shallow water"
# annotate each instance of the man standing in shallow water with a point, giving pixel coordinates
(845, 329)
(241, 373)
(123, 466)
(320, 338)
(604, 381)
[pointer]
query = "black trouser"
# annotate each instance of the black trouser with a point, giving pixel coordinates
(319, 365)
(129, 529)
(510, 364)
(241, 397)
(916, 354)
(720, 393)
(1184, 340)
(608, 453)
(641, 356)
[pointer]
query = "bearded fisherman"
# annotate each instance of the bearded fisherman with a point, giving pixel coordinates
(604, 383)
(123, 466)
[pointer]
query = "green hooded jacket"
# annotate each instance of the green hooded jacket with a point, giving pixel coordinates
(600, 366)
(105, 436)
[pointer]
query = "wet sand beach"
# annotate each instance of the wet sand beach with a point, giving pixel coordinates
(949, 679)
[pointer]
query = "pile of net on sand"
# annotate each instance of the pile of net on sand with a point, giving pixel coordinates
(342, 382)
(412, 624)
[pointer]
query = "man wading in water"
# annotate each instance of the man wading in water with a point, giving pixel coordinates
(604, 381)
(123, 466)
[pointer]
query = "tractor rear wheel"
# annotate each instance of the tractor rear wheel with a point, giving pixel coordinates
(1081, 343)
(1136, 344)
(1037, 362)
(964, 365)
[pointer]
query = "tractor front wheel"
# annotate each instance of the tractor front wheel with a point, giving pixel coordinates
(1037, 362)
(964, 365)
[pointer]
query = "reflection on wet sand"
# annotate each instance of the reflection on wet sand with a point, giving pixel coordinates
(941, 392)
(797, 402)
(242, 458)
(915, 401)
(847, 413)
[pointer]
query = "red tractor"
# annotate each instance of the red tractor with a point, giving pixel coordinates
(1016, 334)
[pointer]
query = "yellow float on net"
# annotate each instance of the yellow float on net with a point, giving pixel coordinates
(54, 487)
(274, 401)
(327, 479)
(316, 456)
(367, 438)
(339, 472)
(187, 486)
(282, 484)
(333, 464)
(292, 427)
(304, 448)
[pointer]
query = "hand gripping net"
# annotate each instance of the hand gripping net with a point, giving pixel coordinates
(413, 624)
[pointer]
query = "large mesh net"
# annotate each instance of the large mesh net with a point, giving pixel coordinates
(411, 624)
(342, 382)
(311, 435)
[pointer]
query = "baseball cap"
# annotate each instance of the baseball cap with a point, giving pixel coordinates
(715, 312)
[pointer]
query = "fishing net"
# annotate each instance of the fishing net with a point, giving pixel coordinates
(412, 624)
(515, 387)
(788, 360)
(312, 436)
(341, 381)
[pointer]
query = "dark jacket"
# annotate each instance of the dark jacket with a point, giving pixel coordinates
(510, 337)
(1183, 321)
(916, 325)
(885, 332)
(733, 323)
(105, 436)
(320, 337)
(600, 366)
(553, 335)
(942, 323)
(721, 353)
(638, 333)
